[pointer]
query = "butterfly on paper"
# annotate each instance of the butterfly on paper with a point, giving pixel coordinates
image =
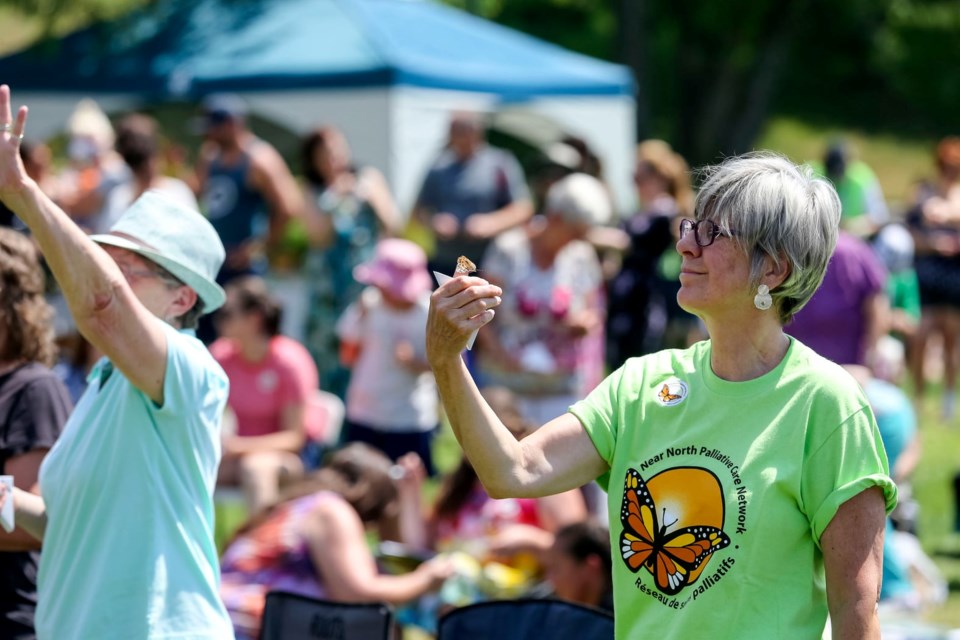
(644, 542)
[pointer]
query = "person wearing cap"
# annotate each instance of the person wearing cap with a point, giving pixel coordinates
(246, 188)
(392, 396)
(548, 344)
(126, 513)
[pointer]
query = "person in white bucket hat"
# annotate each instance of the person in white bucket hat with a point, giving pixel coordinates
(126, 513)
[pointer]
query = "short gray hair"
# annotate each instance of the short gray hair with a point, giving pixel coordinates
(580, 199)
(776, 209)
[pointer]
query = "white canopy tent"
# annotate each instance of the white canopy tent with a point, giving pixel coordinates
(388, 73)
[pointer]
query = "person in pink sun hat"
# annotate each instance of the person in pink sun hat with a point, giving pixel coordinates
(392, 397)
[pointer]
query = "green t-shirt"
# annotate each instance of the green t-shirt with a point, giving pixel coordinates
(732, 484)
(128, 550)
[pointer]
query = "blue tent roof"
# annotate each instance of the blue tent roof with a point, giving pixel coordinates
(193, 47)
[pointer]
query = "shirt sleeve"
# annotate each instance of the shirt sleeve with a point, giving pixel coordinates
(41, 412)
(193, 382)
(599, 415)
(849, 461)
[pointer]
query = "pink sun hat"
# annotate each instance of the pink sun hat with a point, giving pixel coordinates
(398, 266)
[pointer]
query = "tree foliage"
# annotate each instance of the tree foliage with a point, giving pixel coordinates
(709, 73)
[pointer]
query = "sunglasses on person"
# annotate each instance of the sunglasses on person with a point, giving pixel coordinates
(704, 231)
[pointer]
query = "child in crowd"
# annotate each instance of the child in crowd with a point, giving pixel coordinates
(392, 397)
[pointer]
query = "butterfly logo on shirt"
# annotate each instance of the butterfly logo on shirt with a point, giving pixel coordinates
(672, 392)
(673, 558)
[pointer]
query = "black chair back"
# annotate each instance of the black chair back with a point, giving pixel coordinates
(289, 616)
(526, 618)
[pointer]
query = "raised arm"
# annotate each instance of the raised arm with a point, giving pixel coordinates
(557, 457)
(105, 309)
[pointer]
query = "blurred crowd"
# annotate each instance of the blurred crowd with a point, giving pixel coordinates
(328, 284)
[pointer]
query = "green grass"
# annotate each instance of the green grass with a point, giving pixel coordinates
(932, 483)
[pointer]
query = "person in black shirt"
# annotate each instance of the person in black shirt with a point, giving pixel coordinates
(34, 406)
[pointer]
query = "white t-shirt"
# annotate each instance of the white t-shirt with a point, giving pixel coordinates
(383, 394)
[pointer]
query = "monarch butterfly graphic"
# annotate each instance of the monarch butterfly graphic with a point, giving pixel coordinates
(666, 396)
(670, 557)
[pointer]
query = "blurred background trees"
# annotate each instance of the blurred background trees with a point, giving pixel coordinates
(710, 74)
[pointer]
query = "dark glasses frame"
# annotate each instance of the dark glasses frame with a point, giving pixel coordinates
(704, 231)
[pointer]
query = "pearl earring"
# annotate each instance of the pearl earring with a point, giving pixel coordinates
(762, 300)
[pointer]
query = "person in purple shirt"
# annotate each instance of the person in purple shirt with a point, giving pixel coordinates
(848, 314)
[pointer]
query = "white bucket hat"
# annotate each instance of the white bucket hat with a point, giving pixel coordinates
(175, 237)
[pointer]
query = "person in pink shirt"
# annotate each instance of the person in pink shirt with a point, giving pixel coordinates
(272, 378)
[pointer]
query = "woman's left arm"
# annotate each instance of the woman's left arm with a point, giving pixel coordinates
(853, 558)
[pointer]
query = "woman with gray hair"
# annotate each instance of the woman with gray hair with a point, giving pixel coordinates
(747, 483)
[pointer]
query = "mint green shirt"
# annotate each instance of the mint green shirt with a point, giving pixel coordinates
(719, 491)
(128, 551)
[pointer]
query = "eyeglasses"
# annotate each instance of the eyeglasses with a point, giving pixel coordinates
(704, 231)
(133, 272)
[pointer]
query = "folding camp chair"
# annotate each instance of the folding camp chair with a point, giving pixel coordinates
(526, 618)
(290, 616)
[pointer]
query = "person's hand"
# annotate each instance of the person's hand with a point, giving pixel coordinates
(581, 323)
(4, 495)
(412, 474)
(13, 176)
(230, 447)
(404, 353)
(481, 226)
(437, 570)
(458, 308)
(445, 225)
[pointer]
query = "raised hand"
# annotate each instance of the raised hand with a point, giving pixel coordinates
(12, 174)
(457, 308)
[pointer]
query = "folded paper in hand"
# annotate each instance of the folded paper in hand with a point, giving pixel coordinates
(6, 514)
(441, 279)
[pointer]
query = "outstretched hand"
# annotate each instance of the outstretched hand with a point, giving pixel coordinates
(458, 308)
(12, 174)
